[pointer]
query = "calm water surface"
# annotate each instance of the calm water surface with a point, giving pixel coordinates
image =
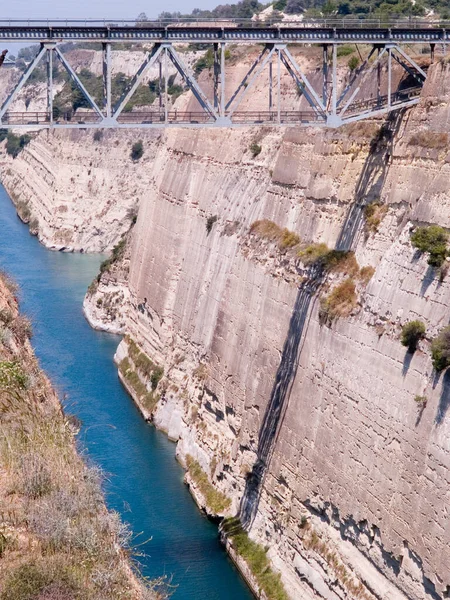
(145, 482)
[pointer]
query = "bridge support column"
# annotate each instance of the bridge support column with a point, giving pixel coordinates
(389, 98)
(49, 49)
(107, 78)
(222, 80)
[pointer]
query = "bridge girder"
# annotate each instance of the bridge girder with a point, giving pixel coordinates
(328, 105)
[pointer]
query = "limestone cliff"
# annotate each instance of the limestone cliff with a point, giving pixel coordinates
(305, 426)
(353, 499)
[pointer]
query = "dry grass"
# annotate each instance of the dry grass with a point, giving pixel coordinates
(217, 502)
(270, 231)
(149, 399)
(374, 214)
(256, 558)
(366, 274)
(348, 581)
(57, 539)
(429, 139)
(340, 302)
(335, 261)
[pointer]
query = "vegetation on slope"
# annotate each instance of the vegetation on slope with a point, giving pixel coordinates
(246, 9)
(412, 333)
(256, 558)
(440, 350)
(57, 540)
(431, 240)
(215, 500)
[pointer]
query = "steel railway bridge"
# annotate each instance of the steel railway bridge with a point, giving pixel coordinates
(326, 103)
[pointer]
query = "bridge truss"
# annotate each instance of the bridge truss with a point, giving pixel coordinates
(321, 103)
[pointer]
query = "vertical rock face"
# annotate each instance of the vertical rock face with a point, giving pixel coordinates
(78, 193)
(312, 430)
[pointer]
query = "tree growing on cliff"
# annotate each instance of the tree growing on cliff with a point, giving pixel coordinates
(137, 150)
(440, 349)
(432, 240)
(412, 333)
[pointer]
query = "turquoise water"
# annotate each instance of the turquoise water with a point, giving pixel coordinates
(145, 482)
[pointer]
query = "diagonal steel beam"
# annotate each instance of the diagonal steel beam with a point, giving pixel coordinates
(300, 84)
(359, 71)
(411, 61)
(248, 85)
(408, 69)
(191, 82)
(77, 82)
(373, 67)
(244, 82)
(304, 79)
(152, 57)
(22, 81)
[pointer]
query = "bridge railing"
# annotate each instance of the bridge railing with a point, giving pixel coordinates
(347, 22)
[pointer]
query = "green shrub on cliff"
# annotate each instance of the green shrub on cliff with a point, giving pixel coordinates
(16, 143)
(215, 500)
(353, 62)
(137, 150)
(432, 240)
(440, 349)
(412, 333)
(256, 558)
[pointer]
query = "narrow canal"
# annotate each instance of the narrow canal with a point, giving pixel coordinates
(145, 483)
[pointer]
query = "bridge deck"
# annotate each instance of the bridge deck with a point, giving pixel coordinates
(320, 31)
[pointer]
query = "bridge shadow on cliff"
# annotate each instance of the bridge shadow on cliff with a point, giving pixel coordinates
(368, 188)
(371, 181)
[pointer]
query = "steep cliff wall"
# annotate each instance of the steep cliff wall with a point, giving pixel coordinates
(356, 474)
(308, 429)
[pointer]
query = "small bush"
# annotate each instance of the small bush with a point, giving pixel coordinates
(353, 62)
(204, 62)
(412, 333)
(98, 135)
(137, 150)
(210, 222)
(266, 229)
(255, 149)
(12, 376)
(32, 581)
(289, 239)
(421, 400)
(429, 139)
(432, 240)
(36, 477)
(272, 232)
(366, 274)
(440, 349)
(156, 376)
(345, 50)
(341, 261)
(339, 303)
(374, 213)
(22, 328)
(15, 143)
